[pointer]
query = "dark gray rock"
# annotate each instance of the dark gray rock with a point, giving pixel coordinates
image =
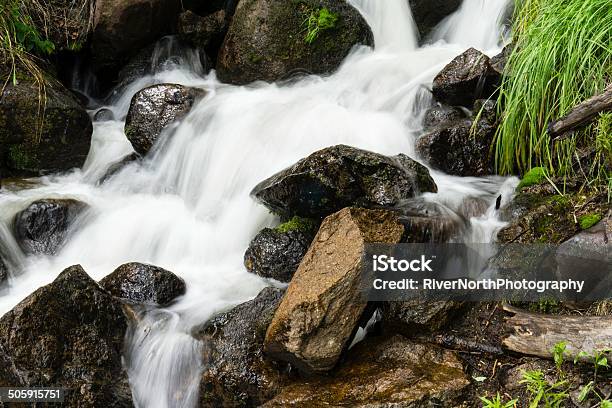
(122, 27)
(426, 221)
(341, 176)
(266, 40)
(428, 13)
(70, 334)
(458, 148)
(465, 79)
(142, 283)
(441, 115)
(206, 32)
(499, 62)
(118, 166)
(51, 137)
(410, 317)
(236, 373)
(277, 253)
(41, 228)
(154, 108)
(104, 115)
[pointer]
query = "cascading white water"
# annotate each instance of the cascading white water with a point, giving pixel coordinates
(187, 206)
(477, 23)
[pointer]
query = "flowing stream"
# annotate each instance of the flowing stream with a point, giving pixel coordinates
(187, 208)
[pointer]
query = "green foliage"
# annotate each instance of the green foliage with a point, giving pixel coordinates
(296, 224)
(588, 220)
(534, 176)
(25, 34)
(562, 56)
(497, 402)
(319, 20)
(542, 393)
(558, 352)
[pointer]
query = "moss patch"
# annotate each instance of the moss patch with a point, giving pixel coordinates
(296, 224)
(588, 220)
(536, 175)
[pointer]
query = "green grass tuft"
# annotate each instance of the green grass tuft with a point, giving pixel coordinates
(588, 220)
(319, 20)
(536, 175)
(563, 55)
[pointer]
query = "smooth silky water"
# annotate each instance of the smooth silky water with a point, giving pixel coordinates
(187, 208)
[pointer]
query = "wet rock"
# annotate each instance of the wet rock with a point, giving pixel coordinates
(456, 151)
(142, 283)
(277, 252)
(206, 32)
(236, 372)
(498, 62)
(535, 216)
(118, 166)
(465, 79)
(4, 271)
(413, 316)
(384, 372)
(589, 251)
(122, 27)
(104, 115)
(341, 176)
(9, 377)
(428, 13)
(266, 40)
(441, 115)
(70, 334)
(323, 303)
(154, 108)
(42, 227)
(165, 53)
(35, 141)
(426, 221)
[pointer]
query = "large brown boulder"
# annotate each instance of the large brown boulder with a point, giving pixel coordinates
(465, 79)
(122, 27)
(324, 303)
(342, 176)
(153, 109)
(382, 373)
(236, 373)
(267, 39)
(69, 334)
(50, 136)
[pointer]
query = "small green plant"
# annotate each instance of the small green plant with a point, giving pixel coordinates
(542, 392)
(558, 352)
(319, 20)
(536, 175)
(497, 402)
(588, 220)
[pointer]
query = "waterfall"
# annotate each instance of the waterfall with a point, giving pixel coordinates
(187, 208)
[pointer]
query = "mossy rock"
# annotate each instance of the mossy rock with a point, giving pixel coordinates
(42, 129)
(539, 214)
(536, 175)
(266, 40)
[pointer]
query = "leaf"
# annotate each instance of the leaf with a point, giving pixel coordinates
(479, 379)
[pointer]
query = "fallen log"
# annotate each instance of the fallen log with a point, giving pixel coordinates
(581, 114)
(536, 334)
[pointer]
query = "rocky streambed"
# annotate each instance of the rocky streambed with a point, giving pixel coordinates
(184, 220)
